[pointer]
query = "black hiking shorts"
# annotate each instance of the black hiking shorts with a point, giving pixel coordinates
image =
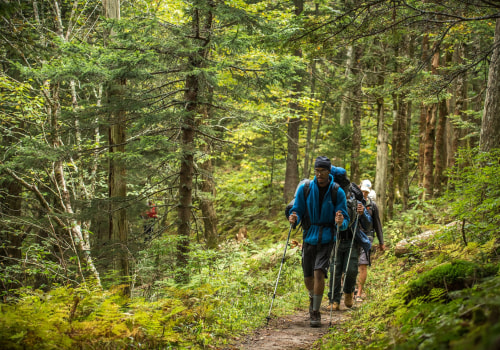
(315, 258)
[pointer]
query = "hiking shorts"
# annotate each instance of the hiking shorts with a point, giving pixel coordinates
(363, 259)
(315, 258)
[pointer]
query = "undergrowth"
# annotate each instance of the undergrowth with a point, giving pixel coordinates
(230, 293)
(407, 308)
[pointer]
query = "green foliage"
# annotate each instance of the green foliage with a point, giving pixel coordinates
(451, 305)
(448, 277)
(474, 194)
(229, 294)
(249, 191)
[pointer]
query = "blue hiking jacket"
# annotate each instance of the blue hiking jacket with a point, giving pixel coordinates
(325, 222)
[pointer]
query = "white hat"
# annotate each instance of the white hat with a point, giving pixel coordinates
(366, 183)
(365, 188)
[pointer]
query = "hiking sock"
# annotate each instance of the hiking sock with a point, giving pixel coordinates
(317, 302)
(310, 301)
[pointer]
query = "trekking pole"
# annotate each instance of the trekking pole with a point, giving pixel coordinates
(279, 273)
(349, 256)
(332, 285)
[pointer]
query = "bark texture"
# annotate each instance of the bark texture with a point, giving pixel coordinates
(490, 128)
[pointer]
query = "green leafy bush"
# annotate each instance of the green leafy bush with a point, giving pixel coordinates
(448, 277)
(474, 194)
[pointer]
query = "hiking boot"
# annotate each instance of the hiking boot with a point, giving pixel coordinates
(335, 306)
(315, 319)
(348, 300)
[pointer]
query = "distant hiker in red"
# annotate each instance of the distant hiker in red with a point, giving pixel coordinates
(149, 216)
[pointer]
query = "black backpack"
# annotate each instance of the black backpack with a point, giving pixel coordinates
(306, 222)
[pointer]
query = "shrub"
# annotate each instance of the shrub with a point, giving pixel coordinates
(448, 277)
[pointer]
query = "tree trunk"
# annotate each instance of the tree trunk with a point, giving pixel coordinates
(456, 133)
(356, 125)
(382, 156)
(430, 139)
(423, 116)
(201, 26)
(344, 106)
(306, 171)
(405, 113)
(117, 181)
(292, 165)
(207, 197)
(208, 190)
(490, 127)
(11, 233)
(356, 137)
(440, 148)
(421, 144)
(394, 166)
(430, 136)
(404, 181)
(186, 174)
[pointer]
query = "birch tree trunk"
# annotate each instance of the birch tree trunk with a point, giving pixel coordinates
(73, 226)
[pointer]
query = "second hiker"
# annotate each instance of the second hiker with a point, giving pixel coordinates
(345, 258)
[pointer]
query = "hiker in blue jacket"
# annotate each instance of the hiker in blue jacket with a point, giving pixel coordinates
(319, 213)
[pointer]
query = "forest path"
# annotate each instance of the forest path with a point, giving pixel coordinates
(291, 332)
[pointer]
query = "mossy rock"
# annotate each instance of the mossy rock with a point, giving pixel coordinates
(453, 276)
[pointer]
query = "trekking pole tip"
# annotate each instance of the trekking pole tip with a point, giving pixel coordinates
(268, 318)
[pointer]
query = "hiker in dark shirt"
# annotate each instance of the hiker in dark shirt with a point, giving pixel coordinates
(321, 214)
(376, 228)
(345, 260)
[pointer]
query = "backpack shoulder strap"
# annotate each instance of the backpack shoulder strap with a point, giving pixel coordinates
(334, 193)
(306, 189)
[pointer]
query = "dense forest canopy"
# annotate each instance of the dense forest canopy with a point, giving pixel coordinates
(214, 111)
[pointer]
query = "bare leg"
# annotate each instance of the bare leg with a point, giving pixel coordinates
(309, 282)
(362, 274)
(319, 282)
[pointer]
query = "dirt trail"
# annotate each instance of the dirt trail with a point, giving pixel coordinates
(291, 332)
